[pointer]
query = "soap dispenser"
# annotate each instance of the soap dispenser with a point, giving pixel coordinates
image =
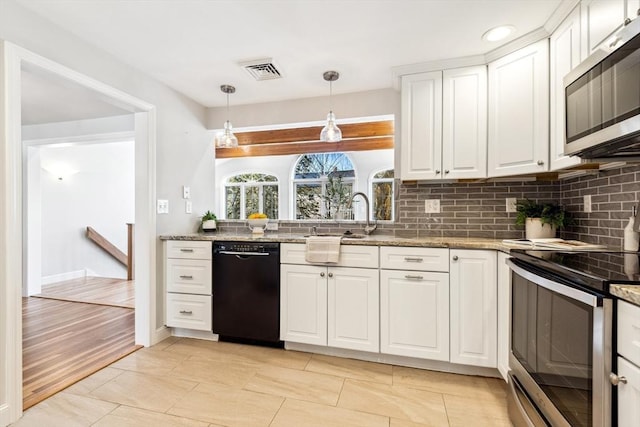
(631, 238)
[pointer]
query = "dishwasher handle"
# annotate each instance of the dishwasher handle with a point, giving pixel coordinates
(243, 253)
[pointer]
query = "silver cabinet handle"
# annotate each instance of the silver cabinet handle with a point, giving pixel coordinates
(540, 163)
(186, 312)
(455, 257)
(413, 277)
(330, 274)
(184, 276)
(322, 274)
(412, 259)
(186, 250)
(615, 380)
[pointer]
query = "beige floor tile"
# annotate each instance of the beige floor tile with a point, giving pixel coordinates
(144, 391)
(164, 344)
(301, 385)
(92, 382)
(394, 401)
(202, 369)
(227, 406)
(125, 416)
(467, 410)
(350, 368)
(295, 413)
(65, 410)
(497, 386)
(395, 422)
(442, 382)
(146, 361)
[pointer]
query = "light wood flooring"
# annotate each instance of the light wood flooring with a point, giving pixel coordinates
(94, 290)
(186, 382)
(65, 341)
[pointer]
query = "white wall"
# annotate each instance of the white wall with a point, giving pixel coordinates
(100, 195)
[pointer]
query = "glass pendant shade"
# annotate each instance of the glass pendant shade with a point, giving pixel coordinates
(226, 138)
(330, 132)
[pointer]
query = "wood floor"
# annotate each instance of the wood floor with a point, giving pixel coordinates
(64, 341)
(94, 290)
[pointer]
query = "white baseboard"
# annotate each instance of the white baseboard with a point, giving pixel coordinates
(190, 333)
(160, 334)
(70, 275)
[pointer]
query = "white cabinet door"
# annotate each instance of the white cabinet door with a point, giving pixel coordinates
(414, 314)
(565, 55)
(504, 314)
(628, 394)
(303, 304)
(421, 126)
(464, 123)
(353, 308)
(474, 306)
(600, 19)
(519, 112)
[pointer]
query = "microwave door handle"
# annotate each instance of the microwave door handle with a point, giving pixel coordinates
(559, 288)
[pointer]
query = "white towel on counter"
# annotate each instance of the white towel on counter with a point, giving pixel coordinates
(323, 249)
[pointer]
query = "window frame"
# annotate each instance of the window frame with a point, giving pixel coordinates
(248, 184)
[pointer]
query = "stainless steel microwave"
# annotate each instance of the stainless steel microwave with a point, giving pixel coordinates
(602, 100)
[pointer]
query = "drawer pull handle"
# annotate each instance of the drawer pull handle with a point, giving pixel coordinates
(411, 259)
(184, 276)
(413, 277)
(186, 312)
(186, 250)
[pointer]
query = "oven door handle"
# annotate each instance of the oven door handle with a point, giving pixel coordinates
(559, 288)
(244, 253)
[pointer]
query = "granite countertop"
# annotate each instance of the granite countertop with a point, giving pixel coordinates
(629, 293)
(374, 239)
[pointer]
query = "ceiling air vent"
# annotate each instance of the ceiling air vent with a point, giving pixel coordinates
(262, 69)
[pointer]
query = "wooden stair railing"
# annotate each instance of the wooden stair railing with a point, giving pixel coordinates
(111, 249)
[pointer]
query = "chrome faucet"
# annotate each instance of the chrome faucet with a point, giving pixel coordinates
(368, 228)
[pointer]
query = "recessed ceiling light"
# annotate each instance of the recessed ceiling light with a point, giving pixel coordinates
(498, 33)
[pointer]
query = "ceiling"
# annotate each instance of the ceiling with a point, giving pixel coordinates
(194, 46)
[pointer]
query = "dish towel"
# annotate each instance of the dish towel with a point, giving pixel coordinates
(322, 249)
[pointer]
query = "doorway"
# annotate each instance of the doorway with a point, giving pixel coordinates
(12, 224)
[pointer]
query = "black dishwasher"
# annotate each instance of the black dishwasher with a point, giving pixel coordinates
(246, 292)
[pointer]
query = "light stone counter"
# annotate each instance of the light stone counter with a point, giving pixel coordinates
(629, 293)
(375, 240)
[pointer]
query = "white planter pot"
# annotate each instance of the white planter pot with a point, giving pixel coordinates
(534, 229)
(209, 225)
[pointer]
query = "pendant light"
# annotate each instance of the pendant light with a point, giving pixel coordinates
(226, 138)
(330, 132)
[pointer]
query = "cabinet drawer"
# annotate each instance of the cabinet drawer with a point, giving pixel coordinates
(407, 258)
(350, 255)
(188, 249)
(629, 331)
(189, 276)
(189, 311)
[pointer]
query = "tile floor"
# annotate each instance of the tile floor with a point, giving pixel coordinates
(185, 382)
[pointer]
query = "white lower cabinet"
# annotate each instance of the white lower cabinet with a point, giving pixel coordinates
(334, 306)
(414, 314)
(473, 307)
(504, 314)
(628, 394)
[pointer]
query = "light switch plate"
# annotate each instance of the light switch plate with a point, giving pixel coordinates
(272, 226)
(186, 192)
(163, 206)
(432, 206)
(188, 206)
(587, 203)
(511, 204)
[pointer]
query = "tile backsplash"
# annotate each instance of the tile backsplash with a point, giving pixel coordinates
(478, 209)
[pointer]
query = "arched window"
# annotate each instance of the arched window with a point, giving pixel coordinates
(249, 193)
(382, 187)
(323, 184)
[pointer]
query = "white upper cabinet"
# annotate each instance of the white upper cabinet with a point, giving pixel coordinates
(519, 112)
(600, 19)
(444, 116)
(464, 123)
(421, 133)
(565, 55)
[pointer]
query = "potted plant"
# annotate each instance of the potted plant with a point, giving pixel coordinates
(541, 219)
(209, 221)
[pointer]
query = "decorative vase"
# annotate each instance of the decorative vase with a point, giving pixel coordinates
(535, 229)
(209, 225)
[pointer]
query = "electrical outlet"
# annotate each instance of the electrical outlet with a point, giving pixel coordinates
(188, 207)
(186, 192)
(272, 226)
(587, 203)
(163, 206)
(432, 206)
(511, 204)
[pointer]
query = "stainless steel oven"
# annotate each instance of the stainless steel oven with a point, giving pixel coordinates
(560, 349)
